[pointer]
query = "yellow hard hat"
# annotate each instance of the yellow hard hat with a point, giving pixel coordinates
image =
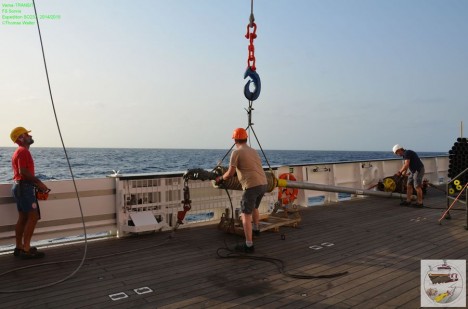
(239, 133)
(16, 132)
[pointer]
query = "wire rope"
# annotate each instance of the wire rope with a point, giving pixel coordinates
(87, 258)
(251, 18)
(280, 264)
(69, 167)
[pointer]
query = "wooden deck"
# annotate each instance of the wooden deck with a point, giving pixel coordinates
(379, 243)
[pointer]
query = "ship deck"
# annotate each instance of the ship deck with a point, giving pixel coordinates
(377, 242)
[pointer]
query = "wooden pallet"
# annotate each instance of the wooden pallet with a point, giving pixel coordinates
(271, 222)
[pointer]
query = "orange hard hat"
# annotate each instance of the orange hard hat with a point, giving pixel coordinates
(239, 133)
(16, 132)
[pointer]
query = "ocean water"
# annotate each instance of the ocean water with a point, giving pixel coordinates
(99, 162)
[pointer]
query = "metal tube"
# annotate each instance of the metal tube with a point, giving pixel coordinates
(328, 188)
(233, 184)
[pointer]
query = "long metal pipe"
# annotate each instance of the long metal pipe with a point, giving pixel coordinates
(327, 188)
(233, 184)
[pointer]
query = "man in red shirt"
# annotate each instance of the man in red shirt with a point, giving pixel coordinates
(23, 191)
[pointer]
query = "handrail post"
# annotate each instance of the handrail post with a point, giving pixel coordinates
(447, 216)
(466, 208)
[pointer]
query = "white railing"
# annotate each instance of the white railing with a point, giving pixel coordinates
(359, 175)
(138, 203)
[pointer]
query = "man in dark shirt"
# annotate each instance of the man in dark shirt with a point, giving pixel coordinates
(414, 165)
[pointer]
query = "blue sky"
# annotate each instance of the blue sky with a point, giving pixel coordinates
(336, 75)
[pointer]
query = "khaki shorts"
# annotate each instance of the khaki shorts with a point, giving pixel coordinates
(251, 198)
(416, 178)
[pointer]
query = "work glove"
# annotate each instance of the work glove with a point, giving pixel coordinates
(219, 180)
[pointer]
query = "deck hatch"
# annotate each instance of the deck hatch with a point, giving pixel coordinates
(315, 247)
(118, 296)
(143, 290)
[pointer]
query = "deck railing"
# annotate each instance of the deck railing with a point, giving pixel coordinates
(147, 202)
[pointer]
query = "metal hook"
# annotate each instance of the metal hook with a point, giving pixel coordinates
(255, 79)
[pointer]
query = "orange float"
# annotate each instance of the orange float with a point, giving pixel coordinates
(287, 195)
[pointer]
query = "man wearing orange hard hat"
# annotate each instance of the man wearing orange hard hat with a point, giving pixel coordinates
(248, 165)
(23, 190)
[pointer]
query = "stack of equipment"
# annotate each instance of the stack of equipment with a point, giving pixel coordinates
(458, 162)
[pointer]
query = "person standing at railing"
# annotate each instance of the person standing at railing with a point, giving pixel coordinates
(23, 191)
(248, 165)
(414, 165)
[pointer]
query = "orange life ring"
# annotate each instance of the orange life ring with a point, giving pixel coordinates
(287, 195)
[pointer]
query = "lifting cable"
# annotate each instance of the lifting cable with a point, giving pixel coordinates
(71, 173)
(251, 96)
(251, 72)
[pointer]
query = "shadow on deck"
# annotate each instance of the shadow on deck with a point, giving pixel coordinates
(379, 243)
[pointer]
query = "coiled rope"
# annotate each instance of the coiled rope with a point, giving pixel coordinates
(280, 265)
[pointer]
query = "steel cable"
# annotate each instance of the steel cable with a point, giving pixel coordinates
(280, 264)
(69, 167)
